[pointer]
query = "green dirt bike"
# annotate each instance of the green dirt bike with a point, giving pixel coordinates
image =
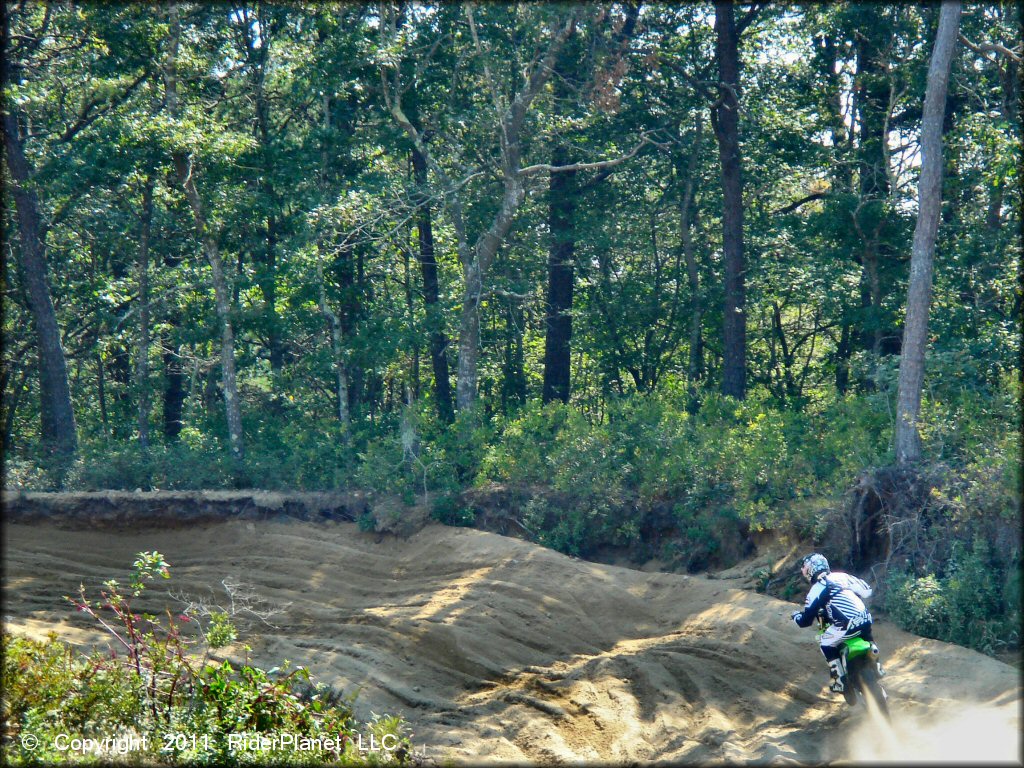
(863, 671)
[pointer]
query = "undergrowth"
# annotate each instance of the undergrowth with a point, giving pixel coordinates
(652, 475)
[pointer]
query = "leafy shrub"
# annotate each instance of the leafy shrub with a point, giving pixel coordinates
(918, 604)
(448, 509)
(962, 605)
(50, 689)
(566, 528)
(385, 468)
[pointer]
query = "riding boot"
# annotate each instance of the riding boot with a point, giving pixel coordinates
(838, 675)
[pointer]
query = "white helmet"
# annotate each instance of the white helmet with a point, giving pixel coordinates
(813, 566)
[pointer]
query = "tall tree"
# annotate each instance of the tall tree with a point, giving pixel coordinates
(431, 292)
(58, 417)
(256, 29)
(874, 98)
(725, 119)
(508, 119)
(142, 356)
(561, 254)
(687, 218)
(503, 126)
(563, 193)
(915, 329)
(187, 170)
(59, 432)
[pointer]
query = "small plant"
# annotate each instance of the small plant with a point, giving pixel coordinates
(221, 632)
(762, 577)
(449, 510)
(157, 654)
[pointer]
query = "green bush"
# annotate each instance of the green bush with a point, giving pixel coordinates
(654, 473)
(964, 604)
(448, 509)
(918, 604)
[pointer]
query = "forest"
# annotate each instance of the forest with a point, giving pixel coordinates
(662, 279)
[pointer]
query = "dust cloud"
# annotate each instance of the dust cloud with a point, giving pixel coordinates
(966, 733)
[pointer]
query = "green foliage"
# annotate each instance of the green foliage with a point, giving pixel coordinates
(166, 698)
(448, 509)
(384, 466)
(918, 604)
(221, 631)
(728, 464)
(967, 603)
(762, 577)
(367, 522)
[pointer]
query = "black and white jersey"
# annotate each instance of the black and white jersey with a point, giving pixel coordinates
(838, 595)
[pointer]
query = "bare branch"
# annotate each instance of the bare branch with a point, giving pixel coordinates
(803, 200)
(984, 48)
(541, 167)
(748, 17)
(87, 116)
(509, 294)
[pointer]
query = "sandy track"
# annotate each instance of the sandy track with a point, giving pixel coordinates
(496, 649)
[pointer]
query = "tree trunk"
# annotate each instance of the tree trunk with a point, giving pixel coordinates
(475, 264)
(341, 388)
(187, 178)
(337, 353)
(993, 216)
(412, 388)
(513, 386)
(469, 337)
(101, 393)
(222, 296)
(346, 266)
(687, 219)
(142, 359)
(563, 196)
(734, 331)
(915, 331)
(873, 89)
(10, 408)
(431, 294)
(561, 254)
(841, 136)
(267, 269)
(174, 387)
(268, 287)
(842, 358)
(174, 375)
(59, 434)
(476, 258)
(267, 266)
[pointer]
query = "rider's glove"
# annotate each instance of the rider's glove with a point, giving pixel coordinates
(797, 615)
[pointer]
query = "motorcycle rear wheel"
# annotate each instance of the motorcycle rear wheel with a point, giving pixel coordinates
(864, 678)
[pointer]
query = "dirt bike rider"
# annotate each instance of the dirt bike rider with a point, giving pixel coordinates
(839, 598)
